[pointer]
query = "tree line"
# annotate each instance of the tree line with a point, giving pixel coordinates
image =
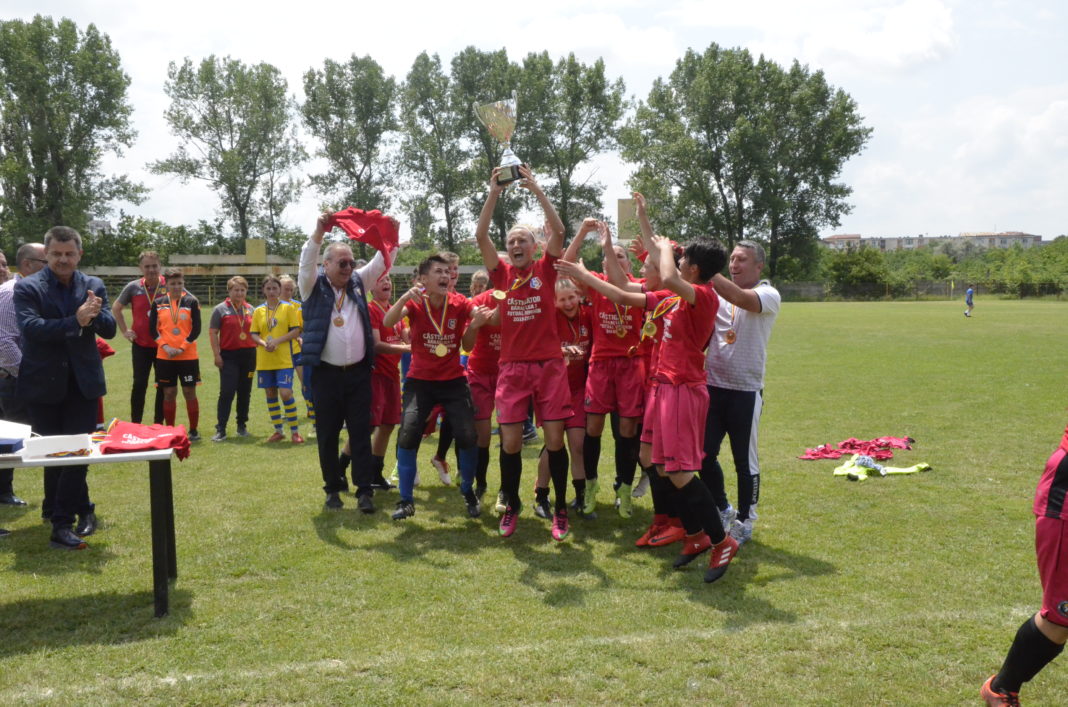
(727, 144)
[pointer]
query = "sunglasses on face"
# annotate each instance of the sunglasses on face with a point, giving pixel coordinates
(346, 264)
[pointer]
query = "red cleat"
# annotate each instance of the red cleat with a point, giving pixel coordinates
(692, 546)
(276, 437)
(296, 438)
(998, 699)
(659, 524)
(671, 534)
(722, 554)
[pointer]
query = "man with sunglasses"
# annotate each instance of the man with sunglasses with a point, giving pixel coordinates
(339, 352)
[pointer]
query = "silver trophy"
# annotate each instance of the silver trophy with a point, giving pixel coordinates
(500, 118)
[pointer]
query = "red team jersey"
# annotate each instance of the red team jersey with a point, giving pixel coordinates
(453, 319)
(387, 365)
(658, 305)
(687, 331)
(576, 332)
(1053, 486)
(486, 354)
(528, 315)
(608, 317)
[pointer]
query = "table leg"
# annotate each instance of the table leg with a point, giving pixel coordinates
(158, 478)
(168, 506)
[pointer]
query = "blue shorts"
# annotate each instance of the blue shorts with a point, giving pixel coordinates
(298, 359)
(279, 378)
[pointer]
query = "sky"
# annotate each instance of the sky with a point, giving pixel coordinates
(968, 100)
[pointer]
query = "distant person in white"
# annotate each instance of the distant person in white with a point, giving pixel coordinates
(735, 366)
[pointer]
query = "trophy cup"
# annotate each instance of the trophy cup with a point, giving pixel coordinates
(499, 118)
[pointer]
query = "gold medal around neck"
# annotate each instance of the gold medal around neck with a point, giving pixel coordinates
(339, 321)
(441, 351)
(242, 336)
(649, 330)
(730, 336)
(499, 294)
(621, 332)
(176, 331)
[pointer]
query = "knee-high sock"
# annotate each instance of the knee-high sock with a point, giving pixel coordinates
(192, 408)
(580, 492)
(1030, 652)
(406, 467)
(511, 472)
(697, 504)
(657, 490)
(308, 402)
(483, 466)
(468, 463)
(170, 409)
(291, 415)
(591, 455)
(626, 459)
(378, 464)
(558, 463)
(445, 438)
(274, 409)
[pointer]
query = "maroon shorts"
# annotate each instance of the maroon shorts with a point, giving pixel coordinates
(385, 401)
(615, 385)
(578, 415)
(649, 417)
(483, 389)
(543, 382)
(679, 437)
(1051, 549)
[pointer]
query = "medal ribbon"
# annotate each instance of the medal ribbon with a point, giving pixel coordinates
(340, 301)
(519, 283)
(440, 328)
(664, 306)
(619, 314)
(155, 292)
(173, 307)
(242, 316)
(574, 332)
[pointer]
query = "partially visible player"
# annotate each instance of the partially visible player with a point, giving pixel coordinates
(969, 301)
(390, 344)
(274, 324)
(175, 319)
(289, 295)
(1042, 637)
(483, 364)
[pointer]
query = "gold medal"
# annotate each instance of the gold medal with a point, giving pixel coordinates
(730, 336)
(621, 331)
(499, 294)
(441, 351)
(339, 321)
(649, 330)
(269, 338)
(273, 323)
(176, 331)
(632, 352)
(242, 336)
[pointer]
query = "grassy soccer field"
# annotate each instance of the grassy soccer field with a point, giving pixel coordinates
(903, 589)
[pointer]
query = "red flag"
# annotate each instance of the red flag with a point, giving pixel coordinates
(371, 227)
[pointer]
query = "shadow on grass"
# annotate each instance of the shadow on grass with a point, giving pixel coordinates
(33, 555)
(97, 619)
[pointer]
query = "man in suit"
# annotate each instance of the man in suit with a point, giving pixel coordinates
(60, 312)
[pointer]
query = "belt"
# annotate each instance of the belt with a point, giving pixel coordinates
(347, 366)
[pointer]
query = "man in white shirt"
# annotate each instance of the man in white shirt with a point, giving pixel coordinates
(735, 366)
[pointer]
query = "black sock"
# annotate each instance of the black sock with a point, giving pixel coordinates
(657, 490)
(482, 467)
(697, 505)
(1030, 652)
(558, 463)
(580, 492)
(378, 464)
(626, 460)
(541, 494)
(444, 438)
(591, 455)
(511, 472)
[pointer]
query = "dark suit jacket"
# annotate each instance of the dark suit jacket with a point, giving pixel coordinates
(53, 344)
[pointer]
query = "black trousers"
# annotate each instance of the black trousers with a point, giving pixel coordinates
(343, 399)
(420, 397)
(143, 358)
(735, 414)
(66, 491)
(12, 409)
(235, 378)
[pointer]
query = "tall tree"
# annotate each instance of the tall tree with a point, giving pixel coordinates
(350, 108)
(484, 77)
(574, 116)
(433, 154)
(237, 131)
(741, 149)
(63, 107)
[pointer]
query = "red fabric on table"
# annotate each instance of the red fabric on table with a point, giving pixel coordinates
(131, 437)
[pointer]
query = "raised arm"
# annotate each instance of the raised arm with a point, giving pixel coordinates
(580, 275)
(668, 272)
(309, 257)
(485, 243)
(399, 310)
(479, 316)
(748, 300)
(555, 245)
(574, 248)
(611, 267)
(643, 220)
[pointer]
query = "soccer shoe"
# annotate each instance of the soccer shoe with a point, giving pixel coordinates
(641, 487)
(742, 531)
(296, 438)
(623, 501)
(722, 554)
(243, 432)
(655, 528)
(561, 527)
(670, 534)
(727, 518)
(508, 522)
(219, 436)
(194, 436)
(692, 546)
(590, 506)
(442, 467)
(474, 508)
(405, 509)
(276, 437)
(480, 490)
(542, 510)
(502, 503)
(998, 699)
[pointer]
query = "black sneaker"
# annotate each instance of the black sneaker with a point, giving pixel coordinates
(87, 525)
(474, 508)
(364, 503)
(382, 484)
(243, 432)
(194, 436)
(541, 508)
(4, 532)
(405, 509)
(480, 490)
(333, 501)
(63, 538)
(219, 436)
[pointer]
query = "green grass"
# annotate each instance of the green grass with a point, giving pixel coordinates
(904, 589)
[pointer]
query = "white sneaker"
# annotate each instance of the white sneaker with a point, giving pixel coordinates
(742, 531)
(443, 470)
(502, 505)
(415, 482)
(727, 518)
(393, 478)
(641, 487)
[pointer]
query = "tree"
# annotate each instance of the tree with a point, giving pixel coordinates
(744, 149)
(433, 155)
(63, 107)
(575, 116)
(349, 108)
(239, 122)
